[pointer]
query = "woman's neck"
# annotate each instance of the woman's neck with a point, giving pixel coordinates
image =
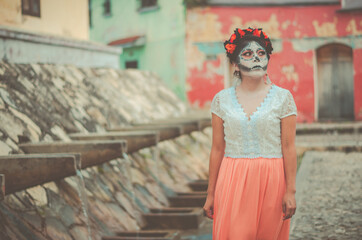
(252, 84)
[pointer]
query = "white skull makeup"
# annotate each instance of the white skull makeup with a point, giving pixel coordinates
(253, 60)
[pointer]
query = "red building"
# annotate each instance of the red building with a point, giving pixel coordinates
(317, 52)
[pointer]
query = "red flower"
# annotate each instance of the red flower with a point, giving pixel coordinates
(241, 32)
(232, 38)
(256, 32)
(249, 30)
(230, 47)
(265, 36)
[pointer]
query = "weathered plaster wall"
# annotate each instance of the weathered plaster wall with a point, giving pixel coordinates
(67, 18)
(296, 33)
(164, 31)
(357, 63)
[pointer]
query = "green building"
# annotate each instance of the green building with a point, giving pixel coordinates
(151, 33)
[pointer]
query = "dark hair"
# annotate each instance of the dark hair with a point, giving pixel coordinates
(241, 37)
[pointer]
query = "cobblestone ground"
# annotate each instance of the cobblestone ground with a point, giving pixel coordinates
(329, 196)
(326, 140)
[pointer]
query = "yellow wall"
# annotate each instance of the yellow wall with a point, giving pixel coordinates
(68, 18)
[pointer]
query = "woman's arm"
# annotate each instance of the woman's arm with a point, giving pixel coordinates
(216, 156)
(217, 151)
(288, 130)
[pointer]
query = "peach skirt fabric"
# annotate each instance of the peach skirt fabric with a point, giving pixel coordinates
(248, 200)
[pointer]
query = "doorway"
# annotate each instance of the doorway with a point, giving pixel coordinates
(335, 83)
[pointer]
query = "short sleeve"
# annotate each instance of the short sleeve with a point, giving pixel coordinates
(288, 107)
(215, 106)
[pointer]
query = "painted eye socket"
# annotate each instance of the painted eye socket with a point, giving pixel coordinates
(247, 55)
(261, 53)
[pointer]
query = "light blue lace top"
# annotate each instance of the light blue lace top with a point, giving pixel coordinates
(260, 136)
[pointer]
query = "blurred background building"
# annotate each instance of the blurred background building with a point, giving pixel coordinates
(317, 52)
(317, 44)
(50, 31)
(151, 33)
(66, 18)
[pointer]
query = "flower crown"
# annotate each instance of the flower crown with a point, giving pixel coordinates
(240, 35)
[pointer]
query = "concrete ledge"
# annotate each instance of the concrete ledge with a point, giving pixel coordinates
(187, 127)
(23, 171)
(17, 34)
(320, 128)
(192, 200)
(145, 235)
(165, 132)
(2, 187)
(92, 152)
(174, 218)
(136, 140)
(199, 185)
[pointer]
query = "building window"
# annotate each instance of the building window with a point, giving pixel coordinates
(107, 8)
(90, 12)
(30, 7)
(132, 64)
(148, 5)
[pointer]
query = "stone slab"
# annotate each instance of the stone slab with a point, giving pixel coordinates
(190, 218)
(136, 140)
(92, 152)
(23, 171)
(165, 132)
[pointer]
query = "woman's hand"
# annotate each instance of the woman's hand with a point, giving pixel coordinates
(289, 205)
(209, 206)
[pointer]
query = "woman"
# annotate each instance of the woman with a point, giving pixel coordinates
(251, 191)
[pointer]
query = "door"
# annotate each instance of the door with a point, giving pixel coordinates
(335, 83)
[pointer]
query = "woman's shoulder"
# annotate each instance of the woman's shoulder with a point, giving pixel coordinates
(281, 90)
(223, 92)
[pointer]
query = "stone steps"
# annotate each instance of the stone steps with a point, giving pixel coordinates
(2, 187)
(165, 132)
(324, 128)
(199, 185)
(187, 126)
(191, 200)
(173, 218)
(145, 235)
(191, 193)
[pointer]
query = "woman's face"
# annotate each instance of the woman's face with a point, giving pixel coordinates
(253, 60)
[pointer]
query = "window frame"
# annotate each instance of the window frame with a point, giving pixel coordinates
(131, 62)
(30, 12)
(109, 13)
(143, 8)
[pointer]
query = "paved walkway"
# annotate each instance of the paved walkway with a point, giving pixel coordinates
(329, 195)
(352, 141)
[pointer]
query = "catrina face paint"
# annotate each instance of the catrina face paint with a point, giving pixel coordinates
(253, 60)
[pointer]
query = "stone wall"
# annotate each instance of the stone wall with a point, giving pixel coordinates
(42, 102)
(21, 46)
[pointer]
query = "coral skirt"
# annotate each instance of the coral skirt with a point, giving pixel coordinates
(248, 200)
